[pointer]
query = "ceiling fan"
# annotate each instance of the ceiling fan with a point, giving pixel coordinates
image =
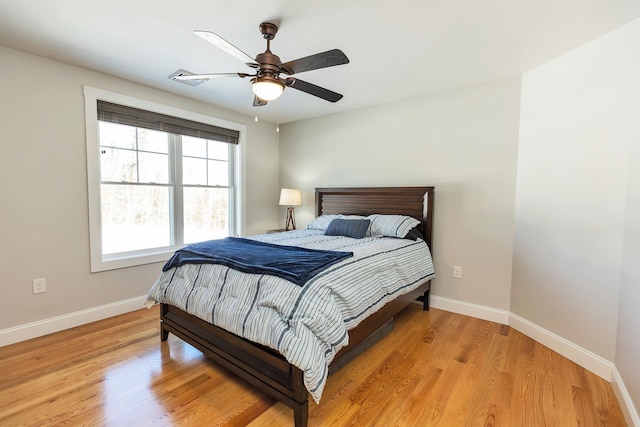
(266, 83)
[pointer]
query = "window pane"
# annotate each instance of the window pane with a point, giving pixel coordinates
(144, 175)
(154, 168)
(117, 165)
(218, 173)
(194, 171)
(115, 135)
(205, 214)
(134, 217)
(194, 147)
(218, 150)
(153, 140)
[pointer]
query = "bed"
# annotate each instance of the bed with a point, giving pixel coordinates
(266, 368)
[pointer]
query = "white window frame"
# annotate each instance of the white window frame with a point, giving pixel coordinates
(91, 97)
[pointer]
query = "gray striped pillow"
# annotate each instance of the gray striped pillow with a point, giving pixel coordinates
(391, 225)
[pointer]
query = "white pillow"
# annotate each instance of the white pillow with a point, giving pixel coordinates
(391, 225)
(321, 222)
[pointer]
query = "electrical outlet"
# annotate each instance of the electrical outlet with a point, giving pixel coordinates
(39, 286)
(457, 272)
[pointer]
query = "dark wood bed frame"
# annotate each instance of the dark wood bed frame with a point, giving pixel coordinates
(265, 368)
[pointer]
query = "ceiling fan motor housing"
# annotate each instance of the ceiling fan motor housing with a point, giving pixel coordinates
(270, 66)
(269, 63)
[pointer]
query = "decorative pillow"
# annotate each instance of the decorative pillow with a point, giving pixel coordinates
(356, 228)
(322, 222)
(392, 225)
(414, 234)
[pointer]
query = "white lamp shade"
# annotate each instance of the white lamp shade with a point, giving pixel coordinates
(290, 197)
(267, 90)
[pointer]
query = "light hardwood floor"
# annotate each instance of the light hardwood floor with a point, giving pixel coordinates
(435, 369)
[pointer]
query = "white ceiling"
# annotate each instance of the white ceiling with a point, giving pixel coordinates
(398, 49)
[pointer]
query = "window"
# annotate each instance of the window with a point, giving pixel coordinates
(161, 182)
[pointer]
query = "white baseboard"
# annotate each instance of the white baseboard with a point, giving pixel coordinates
(588, 360)
(630, 412)
(59, 323)
(468, 309)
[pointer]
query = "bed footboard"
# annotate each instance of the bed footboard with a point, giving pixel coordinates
(260, 366)
(265, 368)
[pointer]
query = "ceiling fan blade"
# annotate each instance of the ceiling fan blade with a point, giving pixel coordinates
(314, 90)
(326, 59)
(210, 76)
(259, 102)
(221, 43)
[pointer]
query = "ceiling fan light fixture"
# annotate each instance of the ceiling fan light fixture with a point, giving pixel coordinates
(267, 88)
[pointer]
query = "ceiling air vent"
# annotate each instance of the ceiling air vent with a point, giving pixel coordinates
(186, 82)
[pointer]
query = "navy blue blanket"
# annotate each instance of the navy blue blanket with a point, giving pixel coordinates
(292, 263)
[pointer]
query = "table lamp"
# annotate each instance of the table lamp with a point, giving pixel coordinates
(290, 197)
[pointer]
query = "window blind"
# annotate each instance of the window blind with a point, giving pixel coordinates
(122, 114)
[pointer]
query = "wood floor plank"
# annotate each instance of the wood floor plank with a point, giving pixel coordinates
(434, 369)
(477, 412)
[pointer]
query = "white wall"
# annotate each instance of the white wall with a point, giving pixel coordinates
(577, 119)
(628, 338)
(43, 188)
(463, 141)
(576, 268)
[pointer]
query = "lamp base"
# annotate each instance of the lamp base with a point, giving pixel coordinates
(291, 221)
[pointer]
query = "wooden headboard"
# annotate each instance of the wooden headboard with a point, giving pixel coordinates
(411, 201)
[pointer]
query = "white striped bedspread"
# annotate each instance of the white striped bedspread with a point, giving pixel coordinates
(308, 325)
